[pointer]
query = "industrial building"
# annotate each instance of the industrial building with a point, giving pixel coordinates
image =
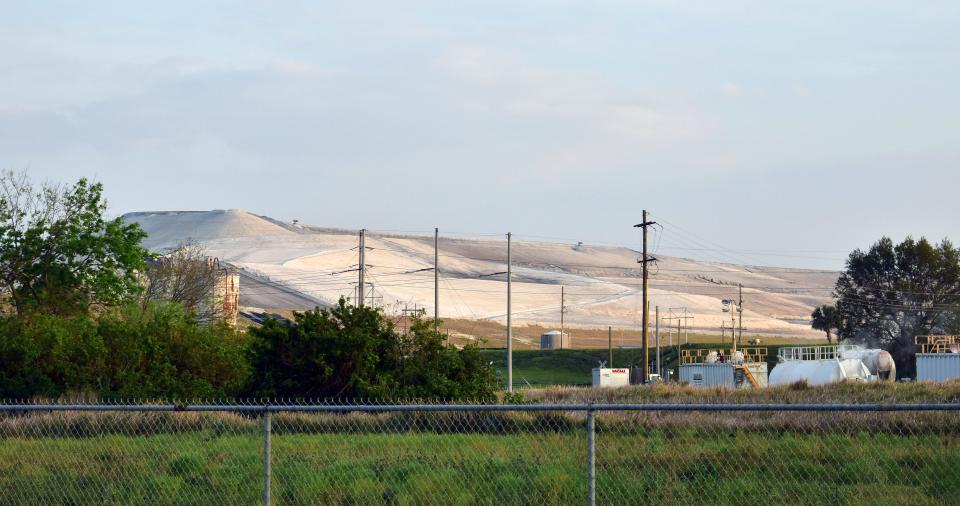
(737, 368)
(938, 358)
(822, 365)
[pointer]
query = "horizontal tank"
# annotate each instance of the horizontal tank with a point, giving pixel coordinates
(878, 362)
(819, 372)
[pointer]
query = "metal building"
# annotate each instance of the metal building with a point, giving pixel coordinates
(743, 368)
(707, 375)
(938, 358)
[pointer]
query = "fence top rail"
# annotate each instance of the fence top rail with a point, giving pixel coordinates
(479, 407)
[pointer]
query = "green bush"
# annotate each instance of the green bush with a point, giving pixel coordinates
(350, 352)
(135, 352)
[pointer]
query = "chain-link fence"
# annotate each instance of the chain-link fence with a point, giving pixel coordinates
(480, 454)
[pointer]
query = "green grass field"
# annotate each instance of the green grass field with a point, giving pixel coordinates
(545, 467)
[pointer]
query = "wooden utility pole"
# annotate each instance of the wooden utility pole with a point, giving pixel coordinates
(436, 279)
(645, 303)
(657, 337)
(610, 347)
(562, 310)
(740, 312)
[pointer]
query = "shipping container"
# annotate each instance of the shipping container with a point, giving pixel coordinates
(938, 366)
(708, 375)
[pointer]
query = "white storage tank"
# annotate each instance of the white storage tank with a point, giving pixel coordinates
(554, 340)
(879, 362)
(610, 377)
(821, 365)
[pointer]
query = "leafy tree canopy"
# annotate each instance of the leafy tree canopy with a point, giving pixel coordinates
(825, 318)
(157, 352)
(349, 352)
(58, 254)
(893, 292)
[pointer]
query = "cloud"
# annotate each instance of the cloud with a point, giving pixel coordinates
(592, 122)
(731, 90)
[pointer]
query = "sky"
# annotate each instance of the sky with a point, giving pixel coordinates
(779, 133)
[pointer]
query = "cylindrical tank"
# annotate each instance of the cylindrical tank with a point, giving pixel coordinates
(880, 364)
(554, 340)
(818, 372)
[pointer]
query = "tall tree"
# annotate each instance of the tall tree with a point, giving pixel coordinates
(189, 277)
(893, 292)
(826, 318)
(58, 254)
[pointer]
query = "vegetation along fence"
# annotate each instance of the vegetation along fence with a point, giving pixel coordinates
(480, 454)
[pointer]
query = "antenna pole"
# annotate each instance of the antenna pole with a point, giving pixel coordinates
(509, 315)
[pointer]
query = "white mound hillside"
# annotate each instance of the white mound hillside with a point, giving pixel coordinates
(168, 229)
(297, 267)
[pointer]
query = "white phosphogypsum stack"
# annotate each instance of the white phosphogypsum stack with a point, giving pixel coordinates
(820, 365)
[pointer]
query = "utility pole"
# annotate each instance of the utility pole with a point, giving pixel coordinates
(562, 310)
(436, 279)
(610, 346)
(740, 312)
(360, 285)
(509, 330)
(657, 336)
(678, 336)
(646, 309)
(669, 333)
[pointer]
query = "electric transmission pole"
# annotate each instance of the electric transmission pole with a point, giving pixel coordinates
(362, 270)
(643, 263)
(436, 279)
(509, 329)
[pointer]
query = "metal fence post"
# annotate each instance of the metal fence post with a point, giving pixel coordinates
(267, 429)
(591, 459)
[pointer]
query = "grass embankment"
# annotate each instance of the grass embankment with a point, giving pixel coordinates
(542, 368)
(543, 467)
(492, 334)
